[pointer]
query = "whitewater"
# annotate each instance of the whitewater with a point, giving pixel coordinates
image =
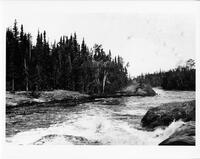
(93, 123)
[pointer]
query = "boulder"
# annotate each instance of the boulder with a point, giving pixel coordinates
(145, 90)
(65, 139)
(165, 114)
(138, 89)
(110, 102)
(184, 135)
(141, 92)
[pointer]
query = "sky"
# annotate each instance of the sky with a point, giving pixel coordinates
(150, 37)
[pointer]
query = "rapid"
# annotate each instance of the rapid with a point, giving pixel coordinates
(111, 121)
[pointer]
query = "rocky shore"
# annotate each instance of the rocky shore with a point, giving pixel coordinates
(23, 98)
(165, 114)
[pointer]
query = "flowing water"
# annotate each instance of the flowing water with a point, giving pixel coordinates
(108, 122)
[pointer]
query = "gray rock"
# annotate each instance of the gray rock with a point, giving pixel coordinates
(111, 102)
(75, 140)
(184, 135)
(165, 114)
(137, 89)
(145, 90)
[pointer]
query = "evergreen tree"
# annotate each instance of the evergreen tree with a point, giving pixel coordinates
(63, 65)
(181, 78)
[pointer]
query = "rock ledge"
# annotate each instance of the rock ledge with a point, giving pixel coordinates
(165, 114)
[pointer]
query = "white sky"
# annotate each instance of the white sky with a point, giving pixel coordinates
(150, 37)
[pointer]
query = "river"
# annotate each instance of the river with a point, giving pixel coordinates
(107, 122)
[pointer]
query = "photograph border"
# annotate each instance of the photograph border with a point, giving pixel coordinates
(99, 152)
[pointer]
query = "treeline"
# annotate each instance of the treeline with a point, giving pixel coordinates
(181, 78)
(63, 65)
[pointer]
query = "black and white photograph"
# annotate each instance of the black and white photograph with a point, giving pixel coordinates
(100, 73)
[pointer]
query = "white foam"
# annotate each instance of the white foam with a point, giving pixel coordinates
(97, 128)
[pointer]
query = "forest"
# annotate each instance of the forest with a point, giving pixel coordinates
(70, 65)
(180, 78)
(66, 64)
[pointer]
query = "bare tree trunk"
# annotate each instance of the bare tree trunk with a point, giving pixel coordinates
(98, 86)
(26, 74)
(104, 80)
(70, 63)
(39, 78)
(13, 82)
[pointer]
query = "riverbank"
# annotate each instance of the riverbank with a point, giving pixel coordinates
(21, 98)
